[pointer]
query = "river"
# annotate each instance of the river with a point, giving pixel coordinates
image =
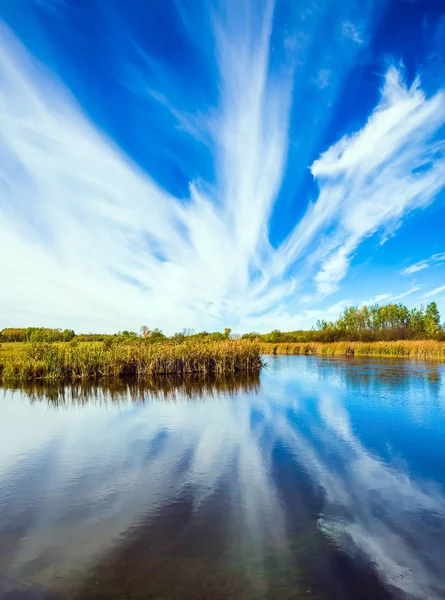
(321, 478)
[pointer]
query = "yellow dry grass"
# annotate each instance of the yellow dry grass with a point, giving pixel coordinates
(418, 349)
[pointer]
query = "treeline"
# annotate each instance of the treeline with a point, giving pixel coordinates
(367, 324)
(43, 334)
(36, 334)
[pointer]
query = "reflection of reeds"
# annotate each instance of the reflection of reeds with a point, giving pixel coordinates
(138, 391)
(83, 361)
(420, 349)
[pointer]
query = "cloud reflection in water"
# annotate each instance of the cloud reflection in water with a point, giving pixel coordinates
(76, 480)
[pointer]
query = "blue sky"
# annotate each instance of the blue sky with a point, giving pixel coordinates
(188, 163)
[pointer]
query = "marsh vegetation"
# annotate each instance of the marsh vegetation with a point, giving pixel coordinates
(118, 359)
(38, 353)
(418, 349)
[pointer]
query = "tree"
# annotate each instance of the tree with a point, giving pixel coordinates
(432, 319)
(157, 335)
(251, 336)
(127, 334)
(274, 336)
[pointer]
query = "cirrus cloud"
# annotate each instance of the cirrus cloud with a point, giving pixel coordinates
(89, 239)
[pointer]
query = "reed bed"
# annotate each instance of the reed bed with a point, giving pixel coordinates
(418, 349)
(88, 360)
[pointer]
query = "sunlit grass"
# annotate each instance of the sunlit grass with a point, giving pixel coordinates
(93, 360)
(419, 349)
(10, 348)
(75, 361)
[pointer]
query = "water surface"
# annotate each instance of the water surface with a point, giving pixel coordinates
(321, 479)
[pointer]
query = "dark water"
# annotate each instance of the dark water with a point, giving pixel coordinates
(322, 479)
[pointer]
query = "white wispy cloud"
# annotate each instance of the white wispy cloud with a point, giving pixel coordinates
(390, 297)
(353, 32)
(405, 294)
(419, 266)
(87, 239)
(92, 234)
(323, 78)
(387, 297)
(435, 292)
(370, 180)
(375, 299)
(424, 264)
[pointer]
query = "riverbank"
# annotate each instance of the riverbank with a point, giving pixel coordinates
(74, 361)
(417, 349)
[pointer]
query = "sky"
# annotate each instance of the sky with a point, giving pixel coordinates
(205, 164)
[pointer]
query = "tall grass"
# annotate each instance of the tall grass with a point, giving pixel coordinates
(83, 361)
(419, 349)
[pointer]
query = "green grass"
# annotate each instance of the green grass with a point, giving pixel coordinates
(95, 360)
(7, 349)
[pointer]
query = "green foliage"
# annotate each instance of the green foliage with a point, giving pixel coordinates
(367, 324)
(253, 336)
(157, 336)
(132, 357)
(356, 323)
(36, 334)
(432, 320)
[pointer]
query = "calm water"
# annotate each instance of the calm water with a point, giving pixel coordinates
(322, 479)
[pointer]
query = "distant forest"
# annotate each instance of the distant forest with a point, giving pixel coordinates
(368, 323)
(365, 323)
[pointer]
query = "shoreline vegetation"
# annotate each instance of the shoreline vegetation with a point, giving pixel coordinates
(415, 349)
(74, 361)
(70, 362)
(392, 330)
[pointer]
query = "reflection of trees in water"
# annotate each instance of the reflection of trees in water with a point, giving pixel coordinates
(370, 374)
(356, 374)
(163, 388)
(222, 490)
